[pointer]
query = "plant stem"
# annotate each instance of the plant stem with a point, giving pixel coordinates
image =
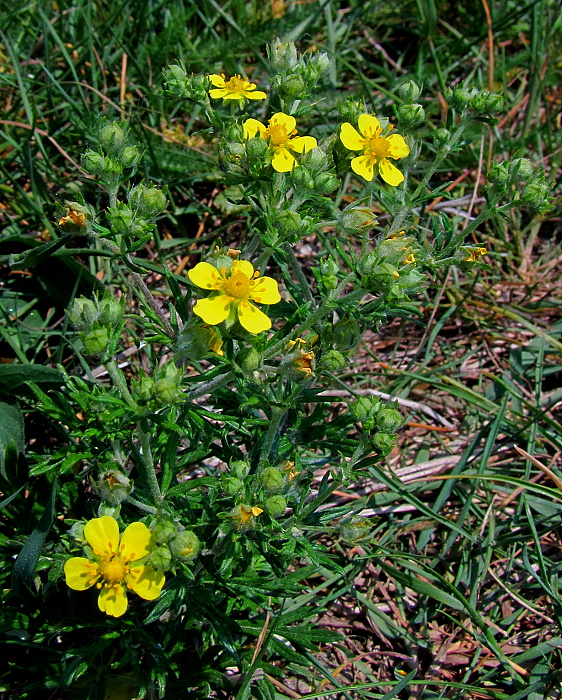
(208, 387)
(119, 381)
(277, 415)
(141, 506)
(149, 464)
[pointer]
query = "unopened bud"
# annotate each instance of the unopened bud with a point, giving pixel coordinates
(148, 201)
(535, 194)
(112, 138)
(291, 86)
(163, 529)
(521, 168)
(271, 479)
(82, 314)
(96, 342)
(256, 147)
(411, 114)
(383, 442)
(231, 485)
(326, 182)
(130, 156)
(357, 220)
(409, 91)
(93, 162)
(355, 530)
(362, 409)
(388, 419)
(303, 179)
(185, 545)
(113, 486)
(275, 506)
(161, 558)
(240, 468)
(499, 175)
(282, 54)
(333, 360)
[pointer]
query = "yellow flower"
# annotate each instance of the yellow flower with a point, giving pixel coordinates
(474, 253)
(377, 149)
(116, 565)
(281, 134)
(243, 517)
(235, 294)
(237, 88)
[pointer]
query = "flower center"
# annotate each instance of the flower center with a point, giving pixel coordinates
(237, 285)
(278, 134)
(378, 148)
(236, 84)
(114, 570)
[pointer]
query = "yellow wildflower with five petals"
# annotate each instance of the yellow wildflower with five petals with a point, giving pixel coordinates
(237, 88)
(236, 291)
(116, 565)
(281, 134)
(377, 149)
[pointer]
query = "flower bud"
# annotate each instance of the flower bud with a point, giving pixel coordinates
(346, 333)
(147, 201)
(256, 147)
(130, 156)
(328, 269)
(291, 86)
(409, 91)
(82, 314)
(357, 220)
(143, 389)
(121, 219)
(383, 442)
(289, 221)
(494, 102)
(535, 194)
(499, 175)
(461, 97)
(249, 359)
(271, 479)
(388, 419)
(326, 182)
(355, 530)
(275, 506)
(231, 485)
(112, 138)
(316, 161)
(303, 179)
(411, 114)
(243, 517)
(111, 310)
(161, 558)
(77, 532)
(282, 54)
(96, 342)
(442, 135)
(362, 409)
(240, 468)
(234, 132)
(521, 168)
(194, 342)
(333, 360)
(113, 486)
(351, 109)
(185, 545)
(163, 529)
(166, 387)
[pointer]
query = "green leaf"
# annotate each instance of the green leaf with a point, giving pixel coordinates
(12, 463)
(14, 376)
(26, 562)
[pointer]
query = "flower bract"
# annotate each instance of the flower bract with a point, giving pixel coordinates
(116, 565)
(281, 135)
(237, 88)
(235, 293)
(378, 150)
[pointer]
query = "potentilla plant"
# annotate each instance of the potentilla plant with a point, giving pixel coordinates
(193, 484)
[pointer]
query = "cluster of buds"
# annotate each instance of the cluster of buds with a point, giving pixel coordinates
(295, 75)
(173, 543)
(290, 226)
(316, 173)
(531, 187)
(162, 389)
(479, 101)
(116, 153)
(136, 218)
(98, 322)
(410, 112)
(189, 87)
(374, 415)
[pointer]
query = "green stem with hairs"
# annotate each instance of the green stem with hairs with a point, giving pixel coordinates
(121, 385)
(148, 461)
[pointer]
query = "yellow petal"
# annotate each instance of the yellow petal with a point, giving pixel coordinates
(351, 138)
(265, 290)
(390, 173)
(398, 147)
(363, 166)
(113, 601)
(252, 319)
(218, 93)
(256, 94)
(217, 80)
(206, 276)
(368, 125)
(253, 127)
(284, 120)
(136, 542)
(213, 310)
(256, 511)
(282, 160)
(102, 534)
(244, 266)
(145, 581)
(80, 573)
(302, 144)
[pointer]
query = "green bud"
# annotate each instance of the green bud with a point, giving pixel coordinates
(282, 54)
(499, 175)
(240, 468)
(112, 138)
(362, 409)
(326, 182)
(256, 147)
(316, 66)
(93, 163)
(461, 97)
(411, 114)
(289, 221)
(231, 485)
(96, 342)
(316, 161)
(479, 103)
(521, 168)
(77, 532)
(235, 151)
(271, 479)
(351, 109)
(388, 419)
(234, 132)
(442, 136)
(111, 310)
(535, 194)
(163, 529)
(82, 314)
(357, 220)
(381, 278)
(130, 156)
(275, 506)
(121, 219)
(328, 269)
(249, 359)
(409, 91)
(494, 102)
(113, 486)
(185, 545)
(291, 86)
(383, 442)
(147, 201)
(355, 530)
(166, 387)
(143, 389)
(333, 360)
(161, 558)
(303, 179)
(346, 333)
